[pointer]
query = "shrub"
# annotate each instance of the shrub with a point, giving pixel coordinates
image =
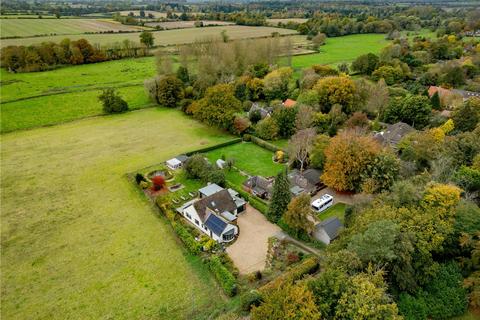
(158, 183)
(250, 299)
(112, 102)
(412, 308)
(187, 238)
(224, 277)
(292, 257)
(308, 266)
(139, 178)
(267, 129)
(264, 144)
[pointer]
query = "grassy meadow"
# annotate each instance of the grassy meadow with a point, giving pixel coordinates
(45, 98)
(35, 27)
(78, 240)
(162, 38)
(342, 49)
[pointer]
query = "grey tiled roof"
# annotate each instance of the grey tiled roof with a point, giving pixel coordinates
(331, 226)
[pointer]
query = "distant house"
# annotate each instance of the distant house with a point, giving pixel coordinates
(215, 213)
(177, 162)
(264, 112)
(289, 103)
(445, 93)
(259, 186)
(307, 181)
(327, 230)
(392, 135)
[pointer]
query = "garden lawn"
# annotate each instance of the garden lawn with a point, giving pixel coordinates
(79, 241)
(249, 157)
(54, 109)
(337, 210)
(342, 49)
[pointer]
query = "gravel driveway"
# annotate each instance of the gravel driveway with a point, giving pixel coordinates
(249, 251)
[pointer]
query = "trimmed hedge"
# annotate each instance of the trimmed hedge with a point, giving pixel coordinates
(308, 266)
(224, 277)
(192, 245)
(217, 146)
(265, 144)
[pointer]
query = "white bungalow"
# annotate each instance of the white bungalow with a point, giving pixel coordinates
(215, 213)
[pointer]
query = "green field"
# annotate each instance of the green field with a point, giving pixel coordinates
(162, 38)
(35, 27)
(78, 240)
(76, 78)
(248, 157)
(49, 110)
(342, 49)
(78, 87)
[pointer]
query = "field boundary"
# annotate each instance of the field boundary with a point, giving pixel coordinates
(70, 91)
(141, 108)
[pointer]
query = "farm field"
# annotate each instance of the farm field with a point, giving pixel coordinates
(65, 94)
(35, 27)
(75, 78)
(275, 22)
(162, 38)
(54, 109)
(249, 157)
(342, 49)
(79, 241)
(186, 24)
(136, 13)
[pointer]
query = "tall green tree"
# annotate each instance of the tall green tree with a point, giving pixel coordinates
(112, 102)
(280, 197)
(147, 39)
(467, 116)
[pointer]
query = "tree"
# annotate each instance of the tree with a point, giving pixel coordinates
(377, 244)
(435, 101)
(147, 39)
(365, 64)
(357, 120)
(166, 91)
(390, 74)
(267, 129)
(336, 90)
(218, 107)
(158, 183)
(300, 145)
(381, 174)
(327, 289)
(276, 83)
(304, 117)
(366, 299)
(280, 197)
(317, 153)
(241, 124)
(412, 109)
(285, 119)
(467, 116)
(112, 102)
(347, 156)
(297, 214)
(377, 99)
(318, 40)
(289, 302)
(182, 74)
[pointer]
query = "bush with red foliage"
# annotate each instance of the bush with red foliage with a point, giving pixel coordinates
(158, 183)
(292, 257)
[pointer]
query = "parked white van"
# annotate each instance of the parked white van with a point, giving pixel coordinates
(322, 203)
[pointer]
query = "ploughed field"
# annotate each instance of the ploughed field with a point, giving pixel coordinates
(78, 241)
(36, 27)
(162, 38)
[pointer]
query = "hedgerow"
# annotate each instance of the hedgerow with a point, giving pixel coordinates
(308, 266)
(224, 277)
(190, 243)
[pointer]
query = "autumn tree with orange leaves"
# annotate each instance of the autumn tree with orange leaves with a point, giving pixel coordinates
(347, 156)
